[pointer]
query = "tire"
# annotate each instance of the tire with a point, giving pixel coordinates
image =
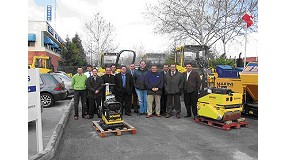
(47, 100)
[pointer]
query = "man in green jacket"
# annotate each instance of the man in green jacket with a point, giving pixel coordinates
(79, 85)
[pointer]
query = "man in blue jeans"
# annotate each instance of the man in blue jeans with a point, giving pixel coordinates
(139, 77)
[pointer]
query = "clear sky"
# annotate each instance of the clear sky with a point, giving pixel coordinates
(132, 29)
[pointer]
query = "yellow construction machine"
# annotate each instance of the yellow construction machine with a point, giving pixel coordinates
(41, 62)
(111, 114)
(249, 81)
(220, 104)
(124, 57)
(197, 55)
(244, 82)
(219, 107)
(110, 111)
(189, 53)
(44, 64)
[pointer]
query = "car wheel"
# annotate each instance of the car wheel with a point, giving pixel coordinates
(47, 99)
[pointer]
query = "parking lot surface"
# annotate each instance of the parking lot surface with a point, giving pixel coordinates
(159, 138)
(50, 118)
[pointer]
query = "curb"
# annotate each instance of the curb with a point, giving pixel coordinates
(52, 145)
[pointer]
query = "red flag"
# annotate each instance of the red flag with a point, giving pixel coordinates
(248, 19)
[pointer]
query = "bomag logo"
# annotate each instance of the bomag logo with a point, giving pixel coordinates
(212, 97)
(115, 116)
(224, 84)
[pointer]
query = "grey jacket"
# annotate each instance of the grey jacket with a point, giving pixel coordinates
(173, 85)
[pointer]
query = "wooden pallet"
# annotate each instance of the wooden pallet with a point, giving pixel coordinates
(223, 125)
(118, 131)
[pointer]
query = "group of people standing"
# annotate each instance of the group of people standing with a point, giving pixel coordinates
(139, 88)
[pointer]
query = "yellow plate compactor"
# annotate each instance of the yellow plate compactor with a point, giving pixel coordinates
(221, 108)
(110, 112)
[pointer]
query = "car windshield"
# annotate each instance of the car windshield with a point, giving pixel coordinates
(63, 77)
(109, 59)
(57, 78)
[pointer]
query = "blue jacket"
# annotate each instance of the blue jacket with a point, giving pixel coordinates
(154, 80)
(139, 77)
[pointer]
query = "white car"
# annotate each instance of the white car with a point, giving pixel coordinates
(67, 82)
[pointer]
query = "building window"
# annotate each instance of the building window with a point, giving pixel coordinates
(31, 44)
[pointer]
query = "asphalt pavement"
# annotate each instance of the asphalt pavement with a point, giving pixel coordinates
(158, 138)
(50, 118)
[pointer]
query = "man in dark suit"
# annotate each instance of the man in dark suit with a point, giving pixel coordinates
(108, 78)
(191, 86)
(135, 105)
(123, 89)
(94, 93)
(163, 98)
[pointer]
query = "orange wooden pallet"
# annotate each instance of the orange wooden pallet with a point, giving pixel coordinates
(223, 125)
(118, 131)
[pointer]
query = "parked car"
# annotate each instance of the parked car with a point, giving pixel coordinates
(52, 89)
(67, 82)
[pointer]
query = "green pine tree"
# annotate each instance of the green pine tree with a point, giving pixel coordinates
(73, 55)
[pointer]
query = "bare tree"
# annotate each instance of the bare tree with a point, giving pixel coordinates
(202, 21)
(99, 36)
(140, 52)
(232, 12)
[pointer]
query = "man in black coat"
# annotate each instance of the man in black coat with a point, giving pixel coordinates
(108, 78)
(94, 93)
(123, 89)
(191, 86)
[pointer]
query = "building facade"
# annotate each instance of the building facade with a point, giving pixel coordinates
(43, 40)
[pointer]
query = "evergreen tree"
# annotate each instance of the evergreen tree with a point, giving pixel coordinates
(73, 55)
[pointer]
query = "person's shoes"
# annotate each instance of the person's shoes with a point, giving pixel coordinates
(128, 114)
(188, 115)
(86, 116)
(76, 117)
(167, 115)
(147, 116)
(136, 111)
(158, 115)
(178, 115)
